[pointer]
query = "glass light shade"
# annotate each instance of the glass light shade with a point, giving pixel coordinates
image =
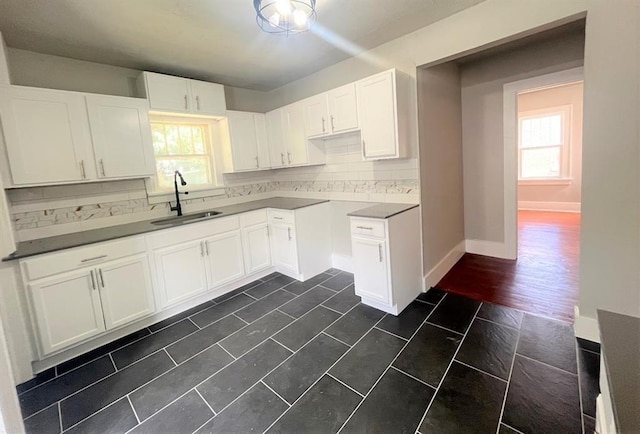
(285, 17)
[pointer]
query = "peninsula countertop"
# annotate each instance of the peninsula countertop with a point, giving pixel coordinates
(382, 210)
(77, 239)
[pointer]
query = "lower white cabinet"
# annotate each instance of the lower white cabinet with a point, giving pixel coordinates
(285, 252)
(370, 264)
(224, 258)
(257, 247)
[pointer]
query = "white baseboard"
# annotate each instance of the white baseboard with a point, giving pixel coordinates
(549, 206)
(342, 262)
(586, 327)
(434, 275)
(486, 248)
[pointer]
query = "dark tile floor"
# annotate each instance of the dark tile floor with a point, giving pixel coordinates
(281, 356)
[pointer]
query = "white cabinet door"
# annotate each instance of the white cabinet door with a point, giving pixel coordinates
(125, 290)
(257, 247)
(181, 272)
(67, 309)
(316, 115)
(224, 257)
(283, 245)
(244, 140)
(294, 134)
(167, 93)
(121, 136)
(207, 98)
(370, 276)
(275, 137)
(377, 116)
(47, 135)
(264, 159)
(343, 109)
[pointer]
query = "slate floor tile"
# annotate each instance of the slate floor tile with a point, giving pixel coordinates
(505, 429)
(149, 344)
(202, 339)
(40, 378)
(353, 325)
(299, 288)
(117, 418)
(110, 389)
(455, 312)
(501, 315)
(344, 300)
(232, 381)
(183, 416)
(221, 310)
(468, 401)
(589, 424)
(542, 399)
(264, 306)
(235, 292)
(323, 409)
(339, 281)
(248, 337)
(549, 341)
(409, 320)
(180, 316)
(428, 354)
(433, 296)
(43, 396)
(266, 288)
(151, 397)
(333, 271)
(45, 422)
(252, 412)
(589, 365)
(489, 347)
(305, 328)
(307, 301)
(395, 405)
(291, 379)
(361, 367)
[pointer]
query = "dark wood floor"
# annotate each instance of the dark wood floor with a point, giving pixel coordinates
(544, 278)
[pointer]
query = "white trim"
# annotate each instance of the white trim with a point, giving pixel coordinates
(487, 248)
(549, 206)
(510, 139)
(586, 327)
(436, 274)
(342, 262)
(544, 181)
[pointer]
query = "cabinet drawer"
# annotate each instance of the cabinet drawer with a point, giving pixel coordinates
(79, 257)
(253, 218)
(280, 216)
(368, 227)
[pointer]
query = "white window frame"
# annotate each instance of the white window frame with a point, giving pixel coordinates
(566, 112)
(156, 194)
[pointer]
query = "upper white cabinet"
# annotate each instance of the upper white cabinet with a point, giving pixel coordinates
(121, 136)
(244, 141)
(316, 115)
(47, 135)
(343, 109)
(275, 137)
(295, 137)
(182, 95)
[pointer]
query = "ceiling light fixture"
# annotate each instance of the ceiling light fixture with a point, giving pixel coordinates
(285, 17)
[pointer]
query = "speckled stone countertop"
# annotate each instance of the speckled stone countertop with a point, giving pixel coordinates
(382, 210)
(620, 340)
(76, 239)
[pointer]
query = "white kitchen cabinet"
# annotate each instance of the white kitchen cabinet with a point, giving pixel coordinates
(316, 115)
(225, 258)
(283, 242)
(257, 247)
(121, 136)
(370, 265)
(182, 95)
(343, 109)
(245, 142)
(295, 137)
(47, 135)
(275, 137)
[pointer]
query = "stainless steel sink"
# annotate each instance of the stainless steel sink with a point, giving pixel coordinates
(186, 218)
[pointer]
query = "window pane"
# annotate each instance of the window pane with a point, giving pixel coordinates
(541, 131)
(194, 169)
(173, 139)
(159, 143)
(198, 140)
(186, 144)
(540, 163)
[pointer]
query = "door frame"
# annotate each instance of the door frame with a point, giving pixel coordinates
(510, 121)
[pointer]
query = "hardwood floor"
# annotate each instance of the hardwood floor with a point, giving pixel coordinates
(544, 278)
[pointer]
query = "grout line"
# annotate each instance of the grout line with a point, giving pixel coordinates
(283, 345)
(506, 393)
(59, 415)
(113, 362)
(197, 326)
(497, 323)
(425, 302)
(588, 351)
(333, 310)
(285, 313)
(41, 410)
(169, 355)
(392, 334)
(248, 295)
(328, 374)
(412, 376)
(233, 314)
(546, 364)
(134, 410)
(449, 330)
(289, 292)
(277, 394)
(93, 414)
(205, 401)
(510, 427)
(223, 349)
(336, 339)
(480, 370)
(579, 386)
(450, 362)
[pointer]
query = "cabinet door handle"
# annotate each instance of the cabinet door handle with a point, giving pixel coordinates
(198, 102)
(186, 107)
(202, 249)
(102, 167)
(206, 247)
(93, 280)
(365, 227)
(257, 163)
(323, 125)
(101, 277)
(82, 171)
(277, 218)
(333, 127)
(95, 258)
(289, 157)
(380, 252)
(289, 233)
(282, 157)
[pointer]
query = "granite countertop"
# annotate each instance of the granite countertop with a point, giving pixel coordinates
(382, 210)
(76, 239)
(620, 341)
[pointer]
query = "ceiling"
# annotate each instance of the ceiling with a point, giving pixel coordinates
(215, 40)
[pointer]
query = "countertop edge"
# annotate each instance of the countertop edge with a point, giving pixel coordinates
(362, 213)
